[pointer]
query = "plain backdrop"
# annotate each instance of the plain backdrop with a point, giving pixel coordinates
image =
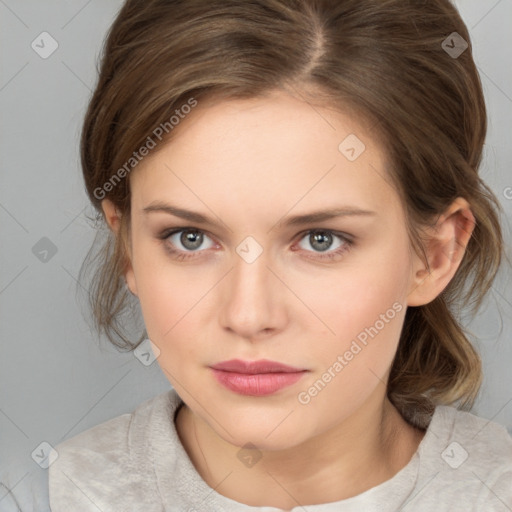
(56, 379)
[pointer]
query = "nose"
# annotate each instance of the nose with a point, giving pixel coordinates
(253, 299)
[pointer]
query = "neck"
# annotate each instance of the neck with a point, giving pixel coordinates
(365, 450)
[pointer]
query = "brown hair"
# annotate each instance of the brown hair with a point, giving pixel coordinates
(385, 60)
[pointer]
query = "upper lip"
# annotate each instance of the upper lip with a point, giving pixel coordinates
(254, 367)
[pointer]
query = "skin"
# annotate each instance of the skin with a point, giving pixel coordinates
(248, 164)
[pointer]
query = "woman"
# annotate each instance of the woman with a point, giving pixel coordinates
(292, 195)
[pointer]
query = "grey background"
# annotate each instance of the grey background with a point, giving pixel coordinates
(56, 380)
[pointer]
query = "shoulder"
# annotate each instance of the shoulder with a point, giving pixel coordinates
(467, 457)
(484, 439)
(81, 476)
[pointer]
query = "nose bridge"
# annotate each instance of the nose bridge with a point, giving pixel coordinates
(250, 275)
(251, 302)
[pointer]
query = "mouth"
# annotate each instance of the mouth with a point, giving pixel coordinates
(256, 378)
(255, 367)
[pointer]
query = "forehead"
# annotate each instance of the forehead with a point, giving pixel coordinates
(278, 120)
(266, 153)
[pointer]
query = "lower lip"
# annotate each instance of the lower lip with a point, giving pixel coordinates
(259, 384)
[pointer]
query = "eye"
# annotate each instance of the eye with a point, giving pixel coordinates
(321, 241)
(181, 241)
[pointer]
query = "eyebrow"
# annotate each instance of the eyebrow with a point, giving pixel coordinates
(296, 220)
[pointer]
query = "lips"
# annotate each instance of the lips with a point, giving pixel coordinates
(256, 378)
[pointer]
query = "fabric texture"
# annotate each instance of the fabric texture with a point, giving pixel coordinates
(136, 462)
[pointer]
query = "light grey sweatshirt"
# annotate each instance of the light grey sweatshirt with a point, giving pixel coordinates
(136, 462)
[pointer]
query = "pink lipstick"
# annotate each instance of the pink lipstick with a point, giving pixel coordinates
(256, 378)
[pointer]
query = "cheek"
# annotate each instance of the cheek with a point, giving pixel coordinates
(170, 304)
(352, 364)
(165, 291)
(354, 297)
(364, 308)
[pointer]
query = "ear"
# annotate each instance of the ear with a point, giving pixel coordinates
(113, 218)
(445, 250)
(112, 215)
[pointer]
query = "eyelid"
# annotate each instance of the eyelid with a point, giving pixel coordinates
(334, 232)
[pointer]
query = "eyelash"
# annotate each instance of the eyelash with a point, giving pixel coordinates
(328, 255)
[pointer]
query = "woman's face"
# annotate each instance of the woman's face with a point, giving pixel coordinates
(327, 296)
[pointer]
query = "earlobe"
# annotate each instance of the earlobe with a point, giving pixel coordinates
(445, 250)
